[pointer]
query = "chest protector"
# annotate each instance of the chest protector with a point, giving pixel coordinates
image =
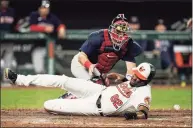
(108, 57)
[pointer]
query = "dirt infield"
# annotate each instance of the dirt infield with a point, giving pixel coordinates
(40, 118)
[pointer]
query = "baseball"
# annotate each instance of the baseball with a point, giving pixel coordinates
(177, 107)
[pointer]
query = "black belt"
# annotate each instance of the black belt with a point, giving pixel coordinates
(98, 103)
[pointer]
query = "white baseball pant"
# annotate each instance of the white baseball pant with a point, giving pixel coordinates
(88, 91)
(78, 70)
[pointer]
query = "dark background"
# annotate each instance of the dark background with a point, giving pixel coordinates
(97, 14)
(79, 14)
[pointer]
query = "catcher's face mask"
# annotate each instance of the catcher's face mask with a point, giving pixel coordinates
(119, 33)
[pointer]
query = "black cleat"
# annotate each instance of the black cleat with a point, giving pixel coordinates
(9, 74)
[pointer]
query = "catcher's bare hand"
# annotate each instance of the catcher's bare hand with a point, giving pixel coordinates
(93, 71)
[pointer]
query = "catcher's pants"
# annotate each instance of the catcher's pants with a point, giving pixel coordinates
(78, 70)
(88, 91)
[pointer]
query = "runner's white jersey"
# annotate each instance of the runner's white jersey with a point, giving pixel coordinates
(116, 100)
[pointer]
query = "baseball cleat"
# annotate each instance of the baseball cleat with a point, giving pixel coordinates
(9, 74)
(67, 96)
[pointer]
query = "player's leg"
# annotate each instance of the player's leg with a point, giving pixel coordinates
(78, 70)
(82, 106)
(78, 87)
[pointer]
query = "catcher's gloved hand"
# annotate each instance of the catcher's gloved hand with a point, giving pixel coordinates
(98, 80)
(130, 115)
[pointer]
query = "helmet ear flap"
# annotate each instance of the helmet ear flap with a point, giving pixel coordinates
(152, 73)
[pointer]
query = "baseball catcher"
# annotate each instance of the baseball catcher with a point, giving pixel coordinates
(103, 49)
(130, 98)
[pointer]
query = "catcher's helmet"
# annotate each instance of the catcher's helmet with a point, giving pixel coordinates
(45, 3)
(119, 31)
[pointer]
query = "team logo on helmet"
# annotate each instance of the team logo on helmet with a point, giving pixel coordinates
(141, 69)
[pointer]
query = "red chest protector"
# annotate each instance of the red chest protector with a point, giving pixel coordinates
(108, 57)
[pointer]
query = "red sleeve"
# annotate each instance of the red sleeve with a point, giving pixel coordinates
(61, 26)
(37, 28)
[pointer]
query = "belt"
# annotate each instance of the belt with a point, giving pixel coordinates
(98, 103)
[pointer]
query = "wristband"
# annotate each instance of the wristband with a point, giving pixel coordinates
(87, 64)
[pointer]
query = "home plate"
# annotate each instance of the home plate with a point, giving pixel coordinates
(157, 119)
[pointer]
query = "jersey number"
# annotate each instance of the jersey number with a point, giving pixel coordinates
(124, 90)
(116, 101)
